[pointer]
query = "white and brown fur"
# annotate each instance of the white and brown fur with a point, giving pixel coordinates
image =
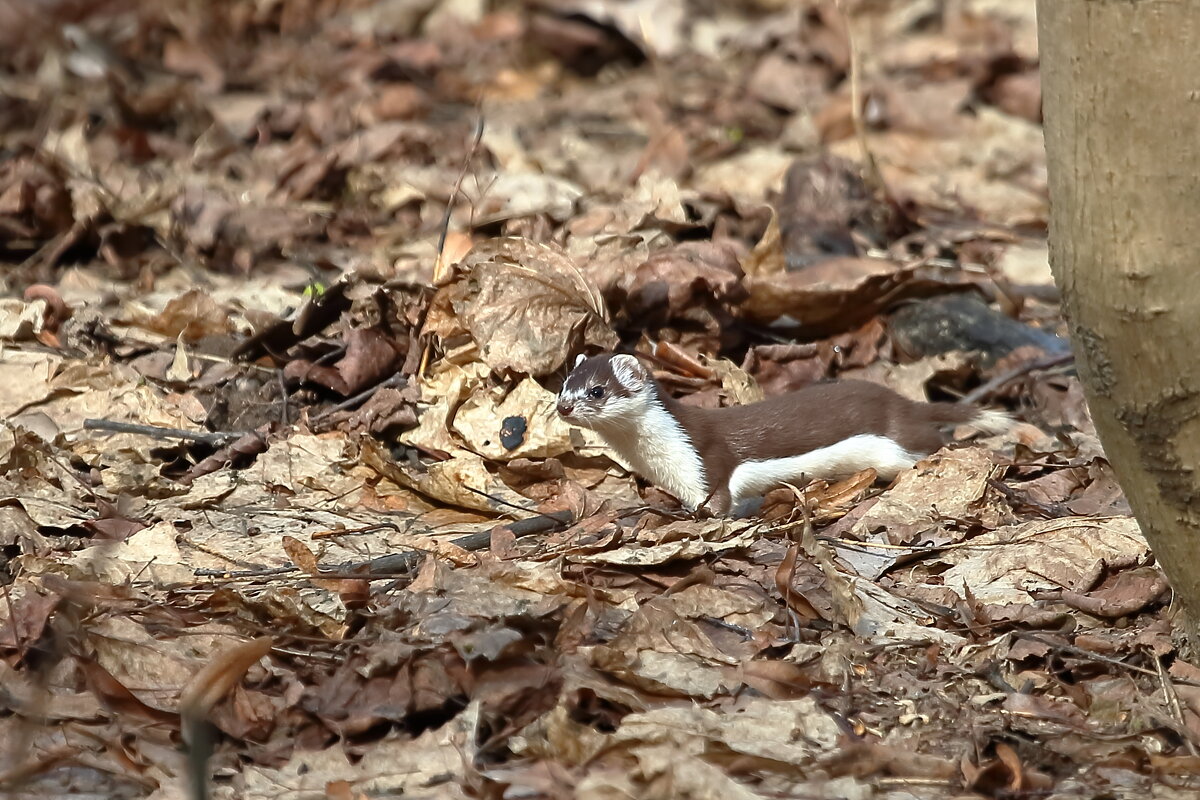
(720, 457)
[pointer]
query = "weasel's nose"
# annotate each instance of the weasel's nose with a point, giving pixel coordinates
(565, 408)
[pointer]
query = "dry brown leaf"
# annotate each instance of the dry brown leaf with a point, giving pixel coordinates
(371, 356)
(948, 484)
(767, 257)
(839, 293)
(463, 480)
(825, 204)
(430, 764)
(118, 699)
(190, 317)
(527, 306)
(520, 423)
(724, 538)
(783, 731)
(1127, 592)
(1005, 565)
(783, 580)
(693, 284)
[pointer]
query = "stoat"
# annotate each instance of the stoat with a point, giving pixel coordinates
(717, 458)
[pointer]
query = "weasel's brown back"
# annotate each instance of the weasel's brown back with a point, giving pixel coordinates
(814, 417)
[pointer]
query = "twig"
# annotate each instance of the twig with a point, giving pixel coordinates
(1086, 655)
(399, 563)
(498, 500)
(1047, 510)
(439, 263)
(1172, 700)
(159, 432)
(874, 176)
(199, 740)
(396, 380)
(998, 382)
(395, 564)
(284, 417)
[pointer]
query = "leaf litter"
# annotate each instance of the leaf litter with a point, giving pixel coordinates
(284, 503)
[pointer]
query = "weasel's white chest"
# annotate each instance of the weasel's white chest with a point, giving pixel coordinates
(657, 447)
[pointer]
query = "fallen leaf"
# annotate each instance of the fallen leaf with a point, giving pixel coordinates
(517, 299)
(220, 675)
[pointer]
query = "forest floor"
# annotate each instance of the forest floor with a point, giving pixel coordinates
(336, 258)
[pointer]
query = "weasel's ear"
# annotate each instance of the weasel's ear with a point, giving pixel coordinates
(629, 372)
(579, 360)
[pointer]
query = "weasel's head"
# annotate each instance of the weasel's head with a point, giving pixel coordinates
(605, 390)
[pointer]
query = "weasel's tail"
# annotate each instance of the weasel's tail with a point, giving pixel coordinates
(992, 422)
(986, 421)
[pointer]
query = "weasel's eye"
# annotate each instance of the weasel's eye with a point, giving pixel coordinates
(596, 392)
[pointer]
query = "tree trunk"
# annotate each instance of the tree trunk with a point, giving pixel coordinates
(1121, 98)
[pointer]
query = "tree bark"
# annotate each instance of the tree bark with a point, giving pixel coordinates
(1121, 101)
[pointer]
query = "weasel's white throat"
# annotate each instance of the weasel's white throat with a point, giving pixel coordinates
(651, 441)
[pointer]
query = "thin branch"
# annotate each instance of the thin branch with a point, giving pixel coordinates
(1171, 697)
(395, 381)
(400, 563)
(439, 263)
(159, 432)
(1004, 378)
(395, 564)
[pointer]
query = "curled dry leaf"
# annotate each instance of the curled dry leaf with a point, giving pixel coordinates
(190, 317)
(691, 285)
(57, 311)
(249, 445)
(371, 355)
(840, 294)
(910, 380)
(24, 618)
(487, 422)
(661, 651)
(396, 766)
(783, 584)
(231, 235)
(783, 731)
(509, 195)
(737, 385)
(114, 696)
(22, 320)
(450, 481)
(443, 390)
(1005, 565)
(691, 547)
(386, 411)
(527, 306)
(1127, 592)
(951, 484)
(767, 257)
(1003, 776)
(306, 560)
(220, 675)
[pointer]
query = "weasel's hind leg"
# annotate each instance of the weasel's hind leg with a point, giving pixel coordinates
(885, 455)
